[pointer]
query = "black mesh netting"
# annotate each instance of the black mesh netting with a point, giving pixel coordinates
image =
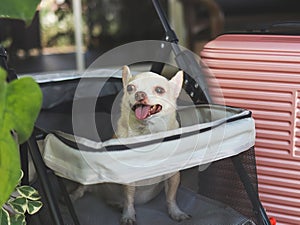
(221, 181)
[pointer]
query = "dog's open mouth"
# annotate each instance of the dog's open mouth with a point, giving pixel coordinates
(143, 111)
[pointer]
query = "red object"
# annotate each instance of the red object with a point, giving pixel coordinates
(262, 73)
(272, 221)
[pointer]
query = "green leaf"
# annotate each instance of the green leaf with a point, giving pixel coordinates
(28, 192)
(4, 217)
(34, 206)
(19, 205)
(20, 103)
(9, 166)
(18, 219)
(23, 103)
(19, 9)
(20, 176)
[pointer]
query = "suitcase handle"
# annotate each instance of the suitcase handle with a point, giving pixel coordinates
(292, 27)
(285, 28)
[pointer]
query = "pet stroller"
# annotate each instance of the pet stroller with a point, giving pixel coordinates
(213, 148)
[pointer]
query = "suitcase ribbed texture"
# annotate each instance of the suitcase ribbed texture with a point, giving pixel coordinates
(262, 73)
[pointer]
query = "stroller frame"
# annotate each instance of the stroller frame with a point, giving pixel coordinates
(187, 63)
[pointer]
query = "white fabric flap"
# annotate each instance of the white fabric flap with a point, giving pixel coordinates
(224, 139)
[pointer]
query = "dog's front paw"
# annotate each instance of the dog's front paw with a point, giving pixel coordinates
(178, 215)
(78, 193)
(128, 221)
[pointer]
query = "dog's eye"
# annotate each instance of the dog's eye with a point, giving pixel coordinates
(159, 90)
(130, 88)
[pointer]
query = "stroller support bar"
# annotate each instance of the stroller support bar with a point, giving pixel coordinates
(184, 59)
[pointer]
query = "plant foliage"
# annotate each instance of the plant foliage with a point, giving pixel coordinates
(18, 9)
(20, 103)
(25, 200)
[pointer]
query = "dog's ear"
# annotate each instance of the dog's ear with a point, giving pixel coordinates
(126, 75)
(177, 82)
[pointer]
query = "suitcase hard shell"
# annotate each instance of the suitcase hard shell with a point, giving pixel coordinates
(262, 73)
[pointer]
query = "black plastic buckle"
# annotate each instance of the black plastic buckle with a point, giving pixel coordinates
(3, 58)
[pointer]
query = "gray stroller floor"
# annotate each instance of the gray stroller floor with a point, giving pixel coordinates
(204, 211)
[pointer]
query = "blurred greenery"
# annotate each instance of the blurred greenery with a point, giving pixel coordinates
(19, 9)
(56, 23)
(106, 23)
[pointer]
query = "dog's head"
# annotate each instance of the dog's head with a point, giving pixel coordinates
(149, 94)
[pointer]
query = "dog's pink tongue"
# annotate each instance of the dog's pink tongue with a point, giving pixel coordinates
(141, 112)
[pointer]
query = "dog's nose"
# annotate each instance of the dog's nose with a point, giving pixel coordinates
(140, 96)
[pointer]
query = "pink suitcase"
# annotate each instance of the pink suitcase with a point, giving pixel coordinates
(262, 73)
